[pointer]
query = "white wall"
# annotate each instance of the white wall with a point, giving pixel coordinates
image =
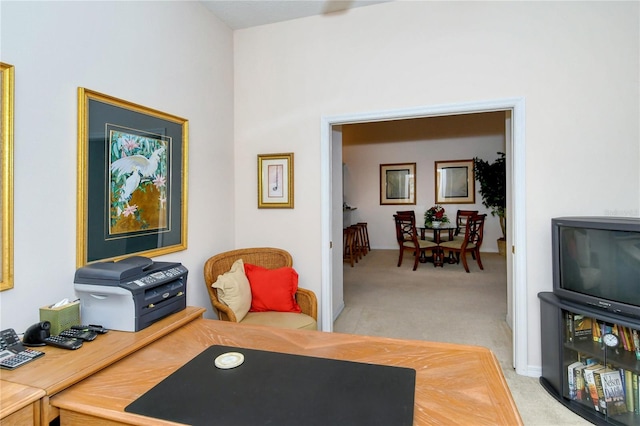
(421, 141)
(172, 56)
(574, 63)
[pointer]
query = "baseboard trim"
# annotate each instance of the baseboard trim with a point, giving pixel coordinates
(338, 311)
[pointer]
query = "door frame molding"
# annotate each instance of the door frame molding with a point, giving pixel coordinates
(515, 198)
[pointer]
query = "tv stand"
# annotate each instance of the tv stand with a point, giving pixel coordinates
(567, 343)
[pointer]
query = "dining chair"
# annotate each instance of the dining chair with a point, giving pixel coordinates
(471, 243)
(412, 214)
(461, 221)
(407, 237)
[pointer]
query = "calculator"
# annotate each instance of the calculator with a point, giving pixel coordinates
(12, 353)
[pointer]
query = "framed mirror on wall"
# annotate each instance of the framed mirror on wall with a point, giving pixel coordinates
(6, 174)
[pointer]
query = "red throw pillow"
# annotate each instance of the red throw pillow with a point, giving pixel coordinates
(272, 289)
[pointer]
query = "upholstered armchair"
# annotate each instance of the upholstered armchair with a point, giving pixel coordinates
(273, 259)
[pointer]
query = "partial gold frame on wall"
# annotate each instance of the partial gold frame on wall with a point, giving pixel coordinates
(6, 163)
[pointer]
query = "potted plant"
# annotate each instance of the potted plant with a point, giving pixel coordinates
(435, 216)
(493, 180)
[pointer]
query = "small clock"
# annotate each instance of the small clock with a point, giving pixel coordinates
(610, 340)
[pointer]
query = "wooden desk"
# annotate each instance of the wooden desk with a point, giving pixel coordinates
(20, 404)
(455, 384)
(61, 368)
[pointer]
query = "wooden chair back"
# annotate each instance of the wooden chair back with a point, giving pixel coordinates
(474, 231)
(406, 228)
(461, 219)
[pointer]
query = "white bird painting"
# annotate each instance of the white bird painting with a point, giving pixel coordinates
(130, 184)
(146, 166)
(137, 167)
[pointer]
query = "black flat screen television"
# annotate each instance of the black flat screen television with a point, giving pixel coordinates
(596, 261)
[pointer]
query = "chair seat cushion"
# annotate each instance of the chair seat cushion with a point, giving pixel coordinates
(281, 320)
(456, 244)
(421, 243)
(272, 289)
(233, 289)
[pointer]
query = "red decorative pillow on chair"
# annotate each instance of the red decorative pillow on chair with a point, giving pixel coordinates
(272, 289)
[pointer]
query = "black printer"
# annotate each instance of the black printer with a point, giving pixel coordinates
(131, 294)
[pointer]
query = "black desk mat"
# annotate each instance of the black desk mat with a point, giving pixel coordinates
(272, 388)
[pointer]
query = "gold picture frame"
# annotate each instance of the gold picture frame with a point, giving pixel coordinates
(455, 182)
(132, 180)
(398, 184)
(275, 181)
(7, 75)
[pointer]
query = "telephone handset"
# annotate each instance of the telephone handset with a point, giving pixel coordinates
(12, 353)
(39, 334)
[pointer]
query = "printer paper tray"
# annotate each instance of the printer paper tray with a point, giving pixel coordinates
(168, 307)
(163, 292)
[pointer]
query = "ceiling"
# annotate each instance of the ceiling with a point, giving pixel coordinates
(238, 14)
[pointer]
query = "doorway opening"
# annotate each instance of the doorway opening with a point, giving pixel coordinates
(331, 153)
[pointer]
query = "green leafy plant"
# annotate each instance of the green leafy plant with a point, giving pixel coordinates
(493, 189)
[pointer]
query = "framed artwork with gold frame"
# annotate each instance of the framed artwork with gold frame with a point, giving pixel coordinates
(398, 183)
(6, 174)
(455, 182)
(275, 181)
(132, 180)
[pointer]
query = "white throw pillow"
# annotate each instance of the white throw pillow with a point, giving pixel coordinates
(233, 289)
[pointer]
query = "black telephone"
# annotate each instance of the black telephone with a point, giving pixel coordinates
(39, 334)
(12, 353)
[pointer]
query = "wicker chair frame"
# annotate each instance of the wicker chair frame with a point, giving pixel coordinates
(267, 257)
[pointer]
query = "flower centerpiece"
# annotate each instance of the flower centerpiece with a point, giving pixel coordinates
(435, 216)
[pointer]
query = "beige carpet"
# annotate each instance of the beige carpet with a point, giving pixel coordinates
(445, 305)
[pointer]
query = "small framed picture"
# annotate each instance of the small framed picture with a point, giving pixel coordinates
(398, 183)
(275, 181)
(455, 182)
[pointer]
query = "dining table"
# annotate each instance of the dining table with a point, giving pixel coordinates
(438, 252)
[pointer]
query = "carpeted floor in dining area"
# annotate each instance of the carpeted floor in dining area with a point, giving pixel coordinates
(444, 305)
